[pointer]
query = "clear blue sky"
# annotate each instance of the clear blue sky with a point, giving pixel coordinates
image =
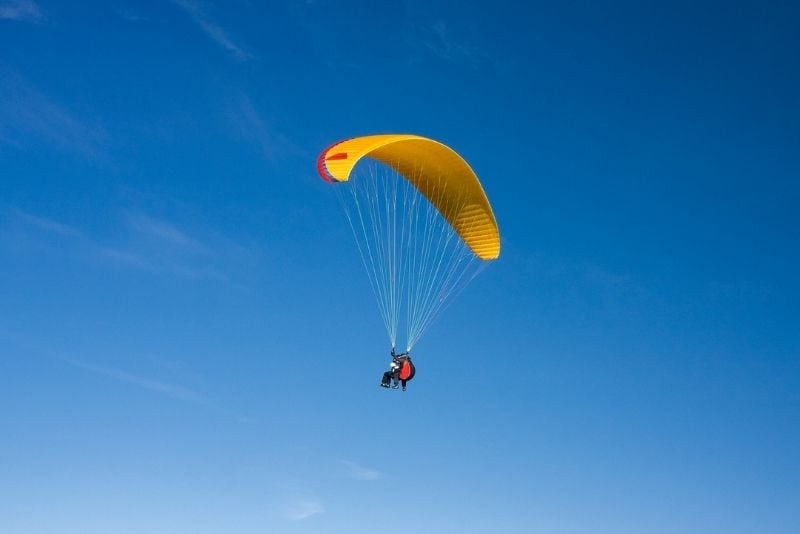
(188, 342)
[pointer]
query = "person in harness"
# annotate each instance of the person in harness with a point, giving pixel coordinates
(401, 370)
(393, 374)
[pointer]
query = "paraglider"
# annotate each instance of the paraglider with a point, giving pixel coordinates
(423, 227)
(401, 370)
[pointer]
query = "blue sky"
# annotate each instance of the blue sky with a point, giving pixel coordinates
(188, 342)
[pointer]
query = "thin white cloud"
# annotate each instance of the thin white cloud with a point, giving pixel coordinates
(170, 390)
(300, 509)
(214, 31)
(252, 126)
(129, 14)
(440, 42)
(23, 10)
(166, 389)
(126, 257)
(360, 472)
(27, 116)
(48, 225)
(146, 243)
(164, 232)
(158, 245)
(439, 39)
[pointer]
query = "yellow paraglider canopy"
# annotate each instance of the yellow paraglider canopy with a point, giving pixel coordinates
(436, 170)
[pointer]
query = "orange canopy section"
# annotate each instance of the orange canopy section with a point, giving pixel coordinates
(436, 170)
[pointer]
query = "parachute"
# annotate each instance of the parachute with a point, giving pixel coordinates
(421, 220)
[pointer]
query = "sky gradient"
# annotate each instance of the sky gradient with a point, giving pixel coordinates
(188, 342)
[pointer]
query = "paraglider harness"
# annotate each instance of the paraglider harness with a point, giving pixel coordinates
(407, 369)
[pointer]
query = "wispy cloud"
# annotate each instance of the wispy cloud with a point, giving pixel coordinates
(164, 232)
(23, 10)
(170, 390)
(251, 125)
(439, 39)
(48, 225)
(359, 472)
(142, 242)
(303, 508)
(27, 116)
(126, 257)
(160, 246)
(213, 30)
(129, 14)
(166, 389)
